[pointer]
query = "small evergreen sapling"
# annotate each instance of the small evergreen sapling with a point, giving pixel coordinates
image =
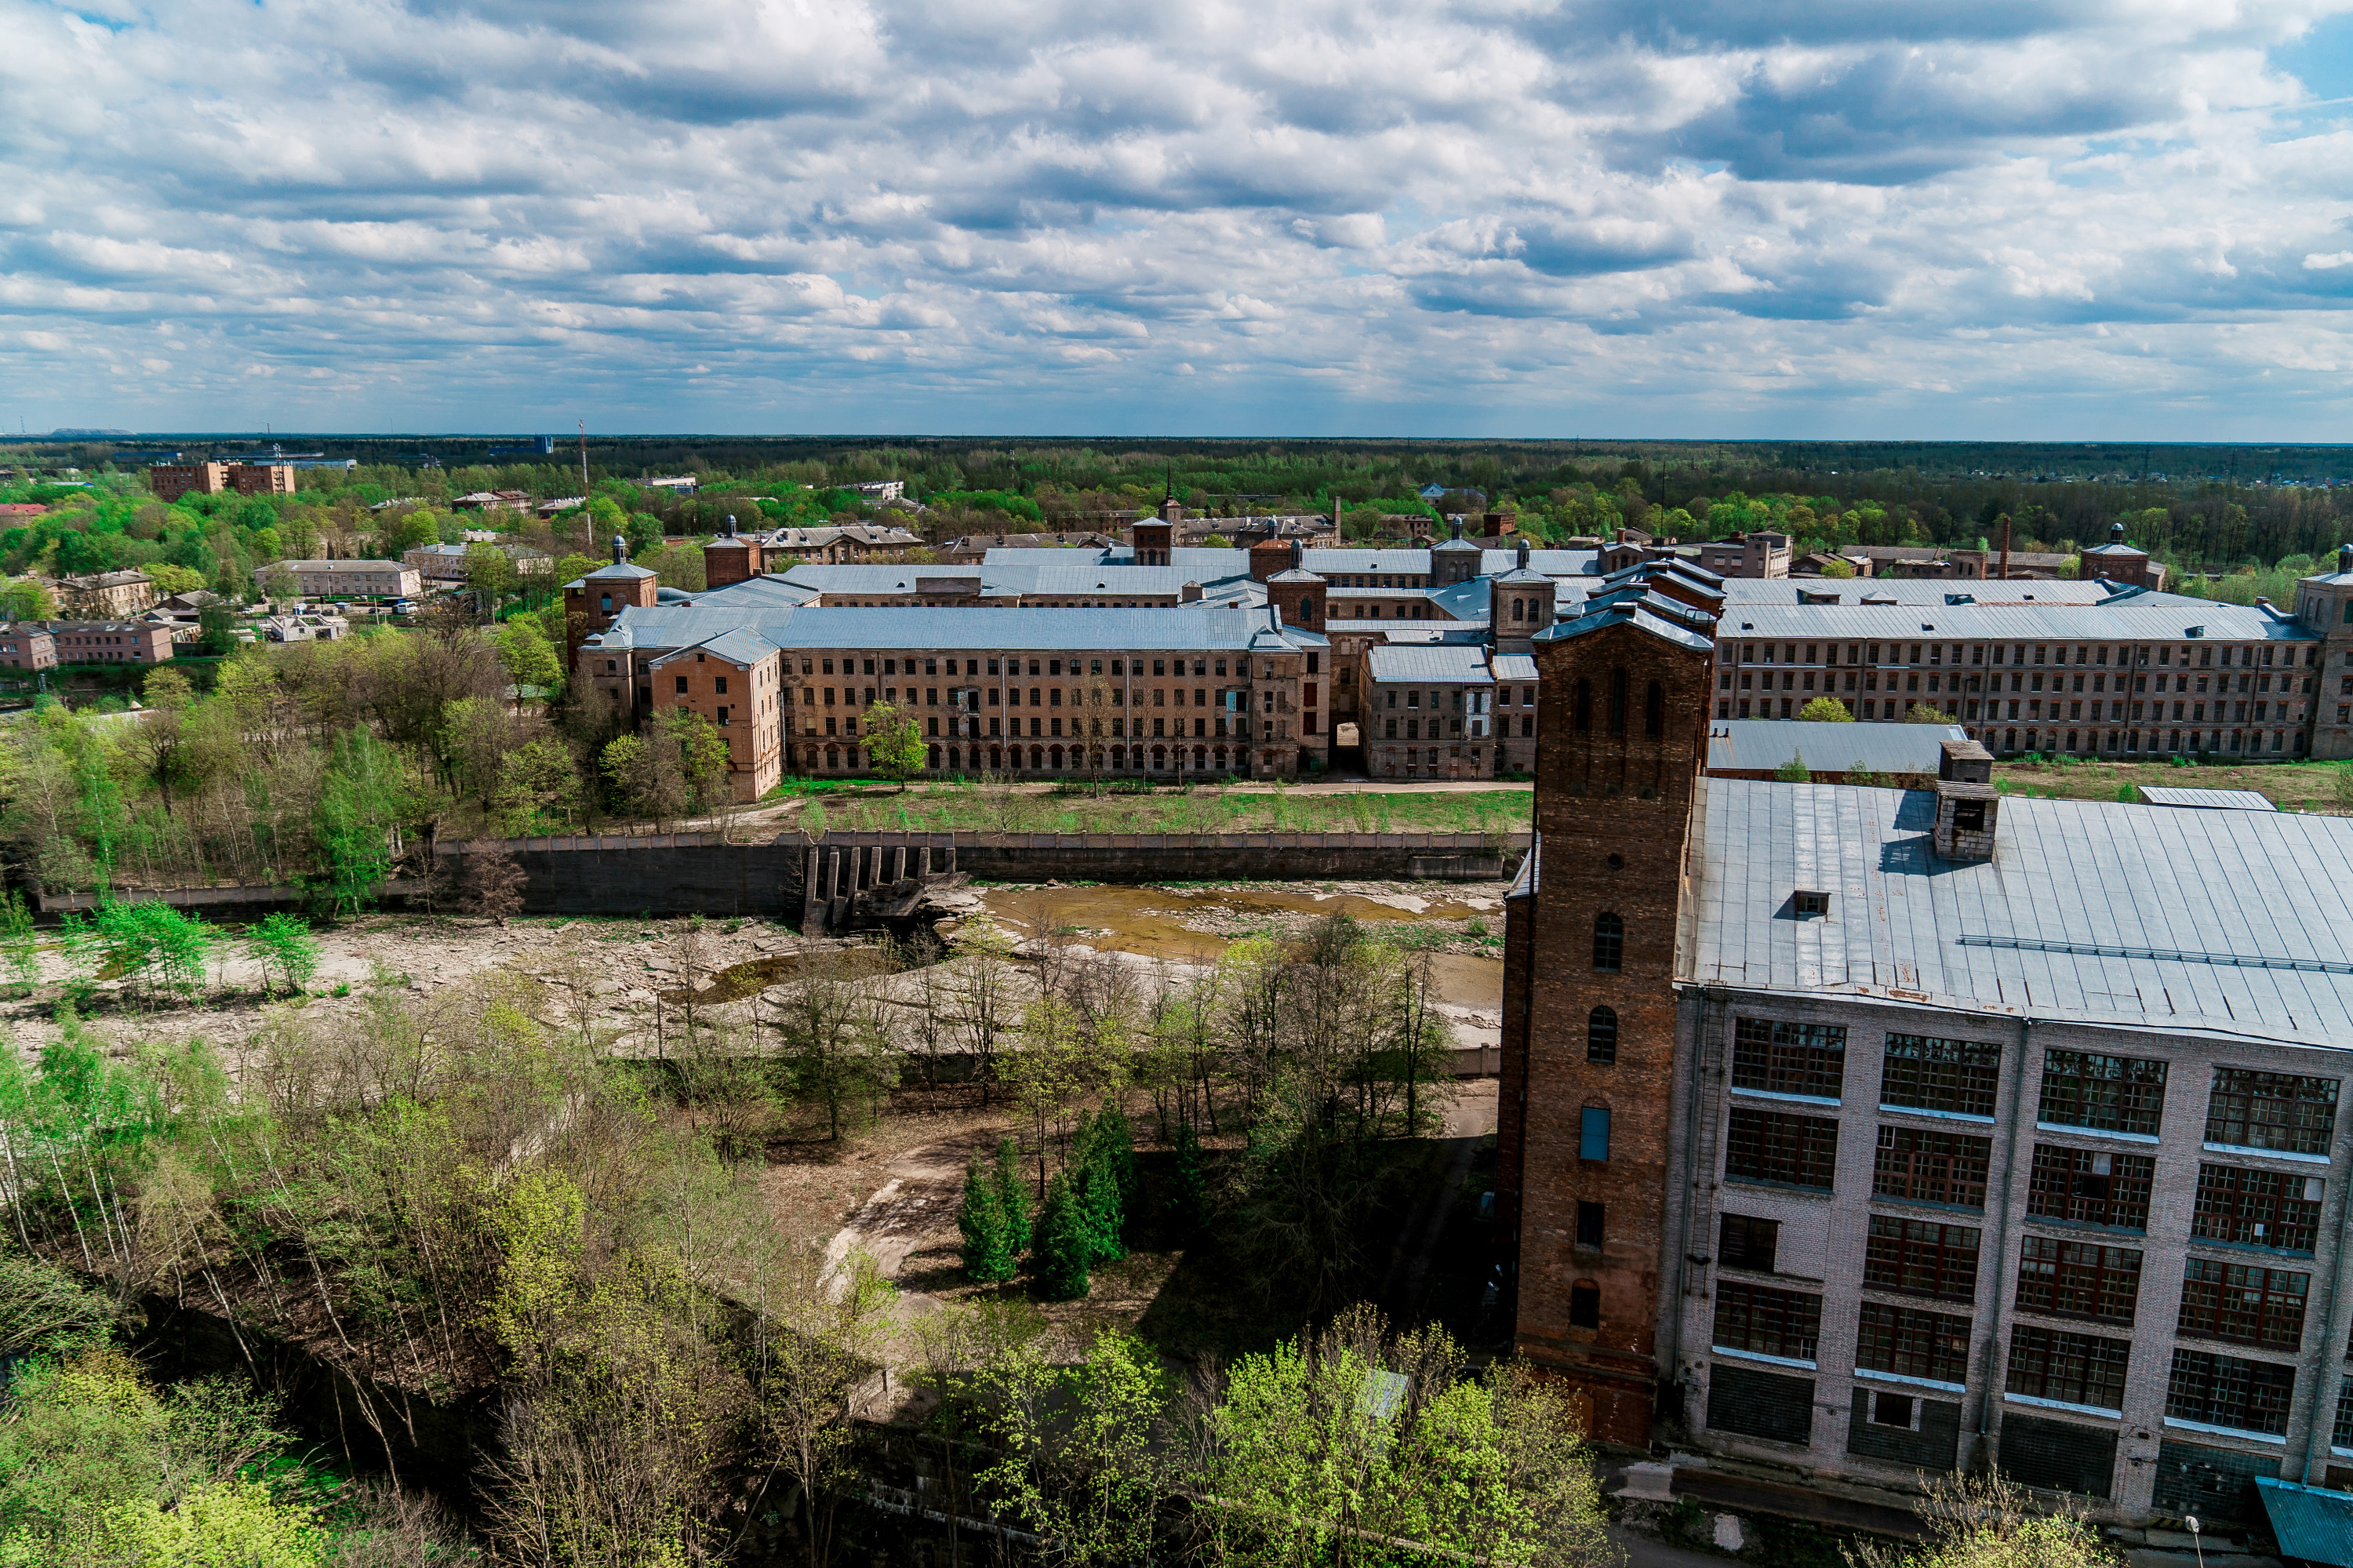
(1012, 1197)
(1064, 1249)
(987, 1253)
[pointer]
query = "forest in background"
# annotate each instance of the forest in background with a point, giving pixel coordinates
(2221, 510)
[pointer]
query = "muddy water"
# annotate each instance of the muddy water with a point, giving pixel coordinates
(737, 981)
(1160, 922)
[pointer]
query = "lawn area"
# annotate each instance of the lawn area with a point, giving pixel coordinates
(2290, 786)
(944, 808)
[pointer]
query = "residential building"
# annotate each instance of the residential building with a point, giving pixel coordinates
(27, 645)
(973, 549)
(492, 501)
(169, 482)
(107, 596)
(1870, 1132)
(880, 489)
(353, 579)
(446, 563)
(676, 483)
(839, 543)
(1763, 553)
(106, 641)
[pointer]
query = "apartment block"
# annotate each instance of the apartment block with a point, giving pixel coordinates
(349, 579)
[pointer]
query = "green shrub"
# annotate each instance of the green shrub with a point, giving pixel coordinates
(1188, 1185)
(1012, 1197)
(1064, 1249)
(987, 1253)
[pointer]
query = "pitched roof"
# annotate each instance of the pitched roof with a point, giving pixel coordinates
(1444, 663)
(1644, 613)
(2089, 910)
(2153, 617)
(1206, 628)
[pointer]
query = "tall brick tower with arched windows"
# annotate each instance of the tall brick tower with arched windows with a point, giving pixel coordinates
(1589, 1003)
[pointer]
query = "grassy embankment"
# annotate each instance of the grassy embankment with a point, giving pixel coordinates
(2290, 786)
(966, 808)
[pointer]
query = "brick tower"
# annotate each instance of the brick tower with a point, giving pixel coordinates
(592, 603)
(1589, 1054)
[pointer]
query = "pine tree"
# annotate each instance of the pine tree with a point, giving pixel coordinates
(1117, 1138)
(1063, 1253)
(987, 1256)
(1012, 1197)
(1188, 1187)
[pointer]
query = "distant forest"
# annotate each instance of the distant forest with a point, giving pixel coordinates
(2224, 510)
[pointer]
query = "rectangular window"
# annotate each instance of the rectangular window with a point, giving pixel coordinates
(2078, 1279)
(1588, 1225)
(1929, 1167)
(1789, 1058)
(1765, 1321)
(1772, 1145)
(2091, 1188)
(1745, 1243)
(2242, 1302)
(2257, 1208)
(2113, 1094)
(2074, 1368)
(1923, 1073)
(2272, 1111)
(2225, 1391)
(1923, 1258)
(1912, 1343)
(1593, 1134)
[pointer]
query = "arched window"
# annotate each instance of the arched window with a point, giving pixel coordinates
(1655, 712)
(1584, 707)
(1307, 611)
(1519, 609)
(1608, 943)
(1618, 705)
(1601, 1035)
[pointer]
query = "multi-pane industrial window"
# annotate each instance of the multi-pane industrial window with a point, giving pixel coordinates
(2225, 1391)
(2074, 1368)
(1925, 1257)
(2080, 1278)
(1930, 1167)
(1767, 1321)
(1924, 1072)
(2113, 1094)
(2272, 1111)
(1772, 1145)
(2341, 1436)
(1745, 1243)
(1909, 1343)
(1789, 1058)
(2092, 1187)
(2246, 1302)
(2257, 1208)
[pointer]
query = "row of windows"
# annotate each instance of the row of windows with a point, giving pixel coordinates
(2086, 1370)
(2245, 1109)
(2204, 655)
(2247, 1304)
(1011, 666)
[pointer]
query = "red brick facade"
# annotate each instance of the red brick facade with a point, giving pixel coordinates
(1623, 725)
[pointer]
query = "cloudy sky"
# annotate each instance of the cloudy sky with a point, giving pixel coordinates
(2109, 218)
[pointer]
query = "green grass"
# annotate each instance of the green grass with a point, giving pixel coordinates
(961, 808)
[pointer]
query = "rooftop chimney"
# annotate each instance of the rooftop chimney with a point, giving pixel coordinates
(2005, 546)
(1964, 819)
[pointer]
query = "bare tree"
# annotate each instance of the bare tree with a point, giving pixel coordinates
(491, 886)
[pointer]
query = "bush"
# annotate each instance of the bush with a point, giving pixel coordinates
(282, 945)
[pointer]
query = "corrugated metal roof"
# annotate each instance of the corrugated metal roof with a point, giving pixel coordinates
(1444, 663)
(2150, 619)
(2089, 910)
(1634, 612)
(1515, 666)
(1754, 745)
(2312, 1525)
(2211, 799)
(1744, 591)
(1188, 627)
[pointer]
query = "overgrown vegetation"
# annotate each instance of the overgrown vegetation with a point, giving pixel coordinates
(990, 804)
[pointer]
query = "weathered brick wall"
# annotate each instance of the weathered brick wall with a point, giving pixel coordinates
(1613, 811)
